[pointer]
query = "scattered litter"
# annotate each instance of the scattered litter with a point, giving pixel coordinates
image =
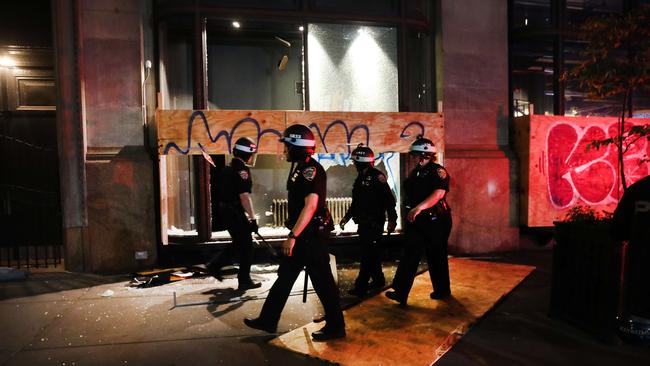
(183, 274)
(159, 277)
(10, 274)
(108, 293)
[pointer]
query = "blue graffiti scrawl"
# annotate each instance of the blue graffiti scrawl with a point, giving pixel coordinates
(322, 135)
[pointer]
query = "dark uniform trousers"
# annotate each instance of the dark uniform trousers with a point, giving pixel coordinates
(309, 251)
(432, 237)
(239, 229)
(371, 254)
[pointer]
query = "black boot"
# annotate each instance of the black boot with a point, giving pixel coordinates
(326, 333)
(248, 284)
(439, 295)
(258, 324)
(393, 295)
(358, 292)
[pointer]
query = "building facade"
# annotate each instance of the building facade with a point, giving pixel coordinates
(118, 61)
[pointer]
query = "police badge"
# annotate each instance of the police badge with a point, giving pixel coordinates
(309, 173)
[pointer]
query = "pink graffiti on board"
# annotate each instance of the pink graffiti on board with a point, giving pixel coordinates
(577, 175)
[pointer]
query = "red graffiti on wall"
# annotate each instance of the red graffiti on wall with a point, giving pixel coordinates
(576, 174)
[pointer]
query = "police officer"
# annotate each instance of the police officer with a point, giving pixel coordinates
(306, 245)
(233, 204)
(372, 199)
(428, 224)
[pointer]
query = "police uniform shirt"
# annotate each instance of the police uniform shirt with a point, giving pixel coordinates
(423, 180)
(234, 180)
(306, 178)
(372, 197)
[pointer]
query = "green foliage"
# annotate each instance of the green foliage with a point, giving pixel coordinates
(616, 62)
(627, 139)
(586, 214)
(616, 59)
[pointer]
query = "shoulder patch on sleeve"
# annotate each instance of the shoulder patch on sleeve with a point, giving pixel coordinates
(442, 173)
(243, 174)
(309, 173)
(381, 178)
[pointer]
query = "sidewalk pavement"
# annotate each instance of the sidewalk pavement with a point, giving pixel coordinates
(94, 320)
(63, 319)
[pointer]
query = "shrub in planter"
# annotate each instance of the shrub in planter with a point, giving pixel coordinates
(586, 272)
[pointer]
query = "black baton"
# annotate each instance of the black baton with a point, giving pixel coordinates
(272, 250)
(304, 289)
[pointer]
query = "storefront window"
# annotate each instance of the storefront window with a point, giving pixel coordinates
(352, 68)
(272, 64)
(531, 14)
(532, 77)
(255, 66)
(176, 89)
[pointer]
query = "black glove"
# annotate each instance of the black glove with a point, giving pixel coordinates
(252, 224)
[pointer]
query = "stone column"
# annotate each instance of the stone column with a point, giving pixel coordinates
(119, 171)
(70, 135)
(474, 57)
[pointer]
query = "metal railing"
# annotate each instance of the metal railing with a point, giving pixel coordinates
(31, 230)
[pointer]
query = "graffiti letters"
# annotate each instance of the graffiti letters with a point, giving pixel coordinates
(577, 174)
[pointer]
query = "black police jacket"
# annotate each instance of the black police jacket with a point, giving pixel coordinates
(232, 181)
(421, 183)
(306, 177)
(372, 199)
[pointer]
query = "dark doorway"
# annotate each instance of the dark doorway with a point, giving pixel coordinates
(30, 211)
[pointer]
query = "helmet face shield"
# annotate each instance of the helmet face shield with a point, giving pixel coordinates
(246, 150)
(363, 157)
(360, 166)
(252, 160)
(423, 149)
(299, 142)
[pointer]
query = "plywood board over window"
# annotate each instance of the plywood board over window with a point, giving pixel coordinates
(215, 132)
(182, 133)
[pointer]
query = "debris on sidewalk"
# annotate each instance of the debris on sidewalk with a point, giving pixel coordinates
(108, 293)
(158, 277)
(11, 274)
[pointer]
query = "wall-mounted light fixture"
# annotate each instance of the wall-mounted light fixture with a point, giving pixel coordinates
(7, 61)
(301, 28)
